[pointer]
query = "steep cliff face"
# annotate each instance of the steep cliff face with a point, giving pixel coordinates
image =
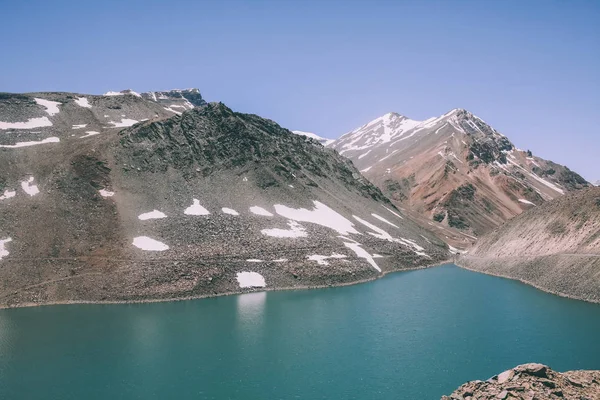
(555, 246)
(460, 175)
(210, 201)
(530, 382)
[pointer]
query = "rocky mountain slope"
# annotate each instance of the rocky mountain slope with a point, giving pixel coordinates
(454, 171)
(555, 247)
(118, 198)
(532, 381)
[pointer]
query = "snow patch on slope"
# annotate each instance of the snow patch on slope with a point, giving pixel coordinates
(320, 215)
(149, 244)
(51, 106)
(250, 279)
(29, 144)
(31, 123)
(196, 209)
(155, 214)
(296, 230)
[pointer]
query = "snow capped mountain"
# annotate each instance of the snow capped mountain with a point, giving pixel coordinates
(323, 141)
(454, 170)
(391, 126)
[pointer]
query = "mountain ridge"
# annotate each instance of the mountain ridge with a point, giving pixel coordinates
(454, 172)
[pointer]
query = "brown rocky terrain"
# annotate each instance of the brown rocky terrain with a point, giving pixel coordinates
(554, 247)
(457, 174)
(129, 197)
(532, 382)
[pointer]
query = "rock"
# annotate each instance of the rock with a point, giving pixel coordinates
(533, 382)
(505, 376)
(533, 369)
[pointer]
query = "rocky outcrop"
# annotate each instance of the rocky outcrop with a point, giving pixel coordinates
(457, 173)
(532, 382)
(554, 247)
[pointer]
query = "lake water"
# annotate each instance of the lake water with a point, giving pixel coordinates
(411, 335)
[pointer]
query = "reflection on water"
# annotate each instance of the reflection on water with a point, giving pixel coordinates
(250, 308)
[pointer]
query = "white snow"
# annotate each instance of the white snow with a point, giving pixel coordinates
(323, 141)
(381, 234)
(537, 178)
(106, 193)
(438, 129)
(51, 106)
(260, 211)
(366, 169)
(526, 202)
(89, 133)
(395, 213)
(196, 209)
(3, 251)
(296, 230)
(229, 211)
(454, 250)
(254, 260)
(8, 194)
(32, 143)
(364, 154)
(377, 256)
(322, 260)
(292, 186)
(280, 260)
(245, 179)
(250, 279)
(173, 111)
(81, 126)
(28, 188)
(362, 253)
(83, 102)
(149, 244)
(155, 214)
(321, 215)
(111, 93)
(384, 220)
(32, 123)
(124, 123)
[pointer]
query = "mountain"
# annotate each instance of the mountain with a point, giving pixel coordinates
(532, 381)
(454, 171)
(555, 247)
(116, 198)
(323, 141)
(177, 100)
(597, 183)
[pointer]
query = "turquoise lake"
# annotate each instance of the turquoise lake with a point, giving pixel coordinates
(411, 335)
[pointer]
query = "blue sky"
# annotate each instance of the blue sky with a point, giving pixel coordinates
(529, 68)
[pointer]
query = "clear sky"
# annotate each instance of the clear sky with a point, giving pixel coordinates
(529, 68)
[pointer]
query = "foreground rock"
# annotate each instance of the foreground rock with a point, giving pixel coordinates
(532, 382)
(554, 247)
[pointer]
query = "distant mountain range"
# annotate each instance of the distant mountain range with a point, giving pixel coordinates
(158, 195)
(456, 172)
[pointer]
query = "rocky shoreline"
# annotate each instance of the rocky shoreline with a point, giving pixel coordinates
(229, 293)
(547, 273)
(532, 382)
